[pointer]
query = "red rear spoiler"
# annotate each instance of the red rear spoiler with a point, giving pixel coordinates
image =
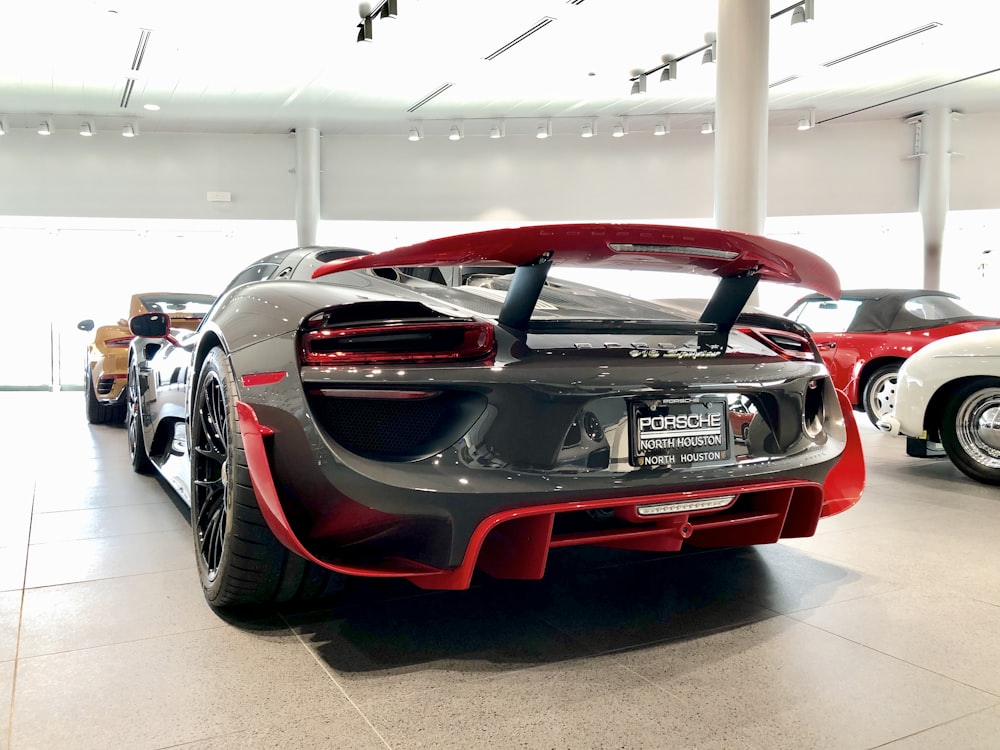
(629, 246)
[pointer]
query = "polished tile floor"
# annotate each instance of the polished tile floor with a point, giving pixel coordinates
(881, 631)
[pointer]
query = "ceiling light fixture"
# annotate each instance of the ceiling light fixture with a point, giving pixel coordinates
(44, 128)
(804, 12)
(365, 29)
(669, 71)
(710, 53)
(497, 131)
(151, 107)
(587, 131)
(455, 134)
(618, 131)
(661, 128)
(86, 129)
(128, 131)
(544, 130)
(707, 127)
(389, 9)
(808, 120)
(414, 134)
(3, 126)
(639, 84)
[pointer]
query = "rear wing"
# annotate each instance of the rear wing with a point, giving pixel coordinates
(739, 259)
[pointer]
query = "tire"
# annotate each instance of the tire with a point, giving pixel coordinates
(98, 413)
(970, 429)
(879, 398)
(240, 562)
(137, 451)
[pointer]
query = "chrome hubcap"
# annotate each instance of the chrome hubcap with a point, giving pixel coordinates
(978, 427)
(883, 395)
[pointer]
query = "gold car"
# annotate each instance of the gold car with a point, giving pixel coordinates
(106, 369)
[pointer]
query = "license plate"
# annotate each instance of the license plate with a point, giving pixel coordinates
(678, 431)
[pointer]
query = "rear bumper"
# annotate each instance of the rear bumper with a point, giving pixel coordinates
(438, 552)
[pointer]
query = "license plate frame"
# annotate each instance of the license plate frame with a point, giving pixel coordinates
(679, 432)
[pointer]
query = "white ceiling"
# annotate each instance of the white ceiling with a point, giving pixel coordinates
(245, 66)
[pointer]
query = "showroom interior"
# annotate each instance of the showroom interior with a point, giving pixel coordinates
(147, 147)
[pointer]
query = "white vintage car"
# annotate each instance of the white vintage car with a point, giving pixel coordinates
(948, 396)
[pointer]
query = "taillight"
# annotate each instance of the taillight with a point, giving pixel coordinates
(119, 343)
(398, 342)
(788, 345)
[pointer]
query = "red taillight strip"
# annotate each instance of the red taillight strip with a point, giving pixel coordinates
(263, 378)
(478, 342)
(119, 343)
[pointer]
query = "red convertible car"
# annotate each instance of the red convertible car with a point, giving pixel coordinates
(867, 334)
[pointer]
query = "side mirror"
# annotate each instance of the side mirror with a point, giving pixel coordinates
(150, 325)
(85, 325)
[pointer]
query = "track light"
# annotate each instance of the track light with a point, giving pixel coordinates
(128, 131)
(3, 126)
(709, 55)
(618, 131)
(639, 84)
(414, 134)
(587, 131)
(661, 129)
(804, 13)
(365, 29)
(808, 120)
(390, 9)
(496, 131)
(669, 71)
(544, 130)
(455, 134)
(707, 127)
(44, 128)
(86, 129)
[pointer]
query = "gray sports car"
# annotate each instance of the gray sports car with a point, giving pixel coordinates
(448, 407)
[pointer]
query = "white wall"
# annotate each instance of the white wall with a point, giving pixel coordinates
(838, 168)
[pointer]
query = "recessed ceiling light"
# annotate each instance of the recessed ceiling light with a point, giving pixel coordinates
(151, 107)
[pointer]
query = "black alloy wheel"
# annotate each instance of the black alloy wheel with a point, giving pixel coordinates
(240, 562)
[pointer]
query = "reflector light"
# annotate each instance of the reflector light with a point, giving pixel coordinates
(418, 343)
(263, 378)
(685, 506)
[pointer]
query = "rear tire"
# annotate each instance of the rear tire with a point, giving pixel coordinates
(240, 562)
(97, 412)
(970, 430)
(880, 393)
(137, 451)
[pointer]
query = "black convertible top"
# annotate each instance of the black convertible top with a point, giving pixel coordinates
(882, 310)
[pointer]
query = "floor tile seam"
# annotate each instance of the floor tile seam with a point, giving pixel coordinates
(935, 726)
(20, 624)
(112, 506)
(106, 578)
(127, 641)
(333, 678)
(109, 536)
(901, 660)
(860, 597)
(189, 743)
(591, 653)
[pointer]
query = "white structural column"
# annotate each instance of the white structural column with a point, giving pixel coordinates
(307, 180)
(934, 150)
(741, 115)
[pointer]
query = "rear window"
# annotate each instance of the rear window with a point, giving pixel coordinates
(825, 315)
